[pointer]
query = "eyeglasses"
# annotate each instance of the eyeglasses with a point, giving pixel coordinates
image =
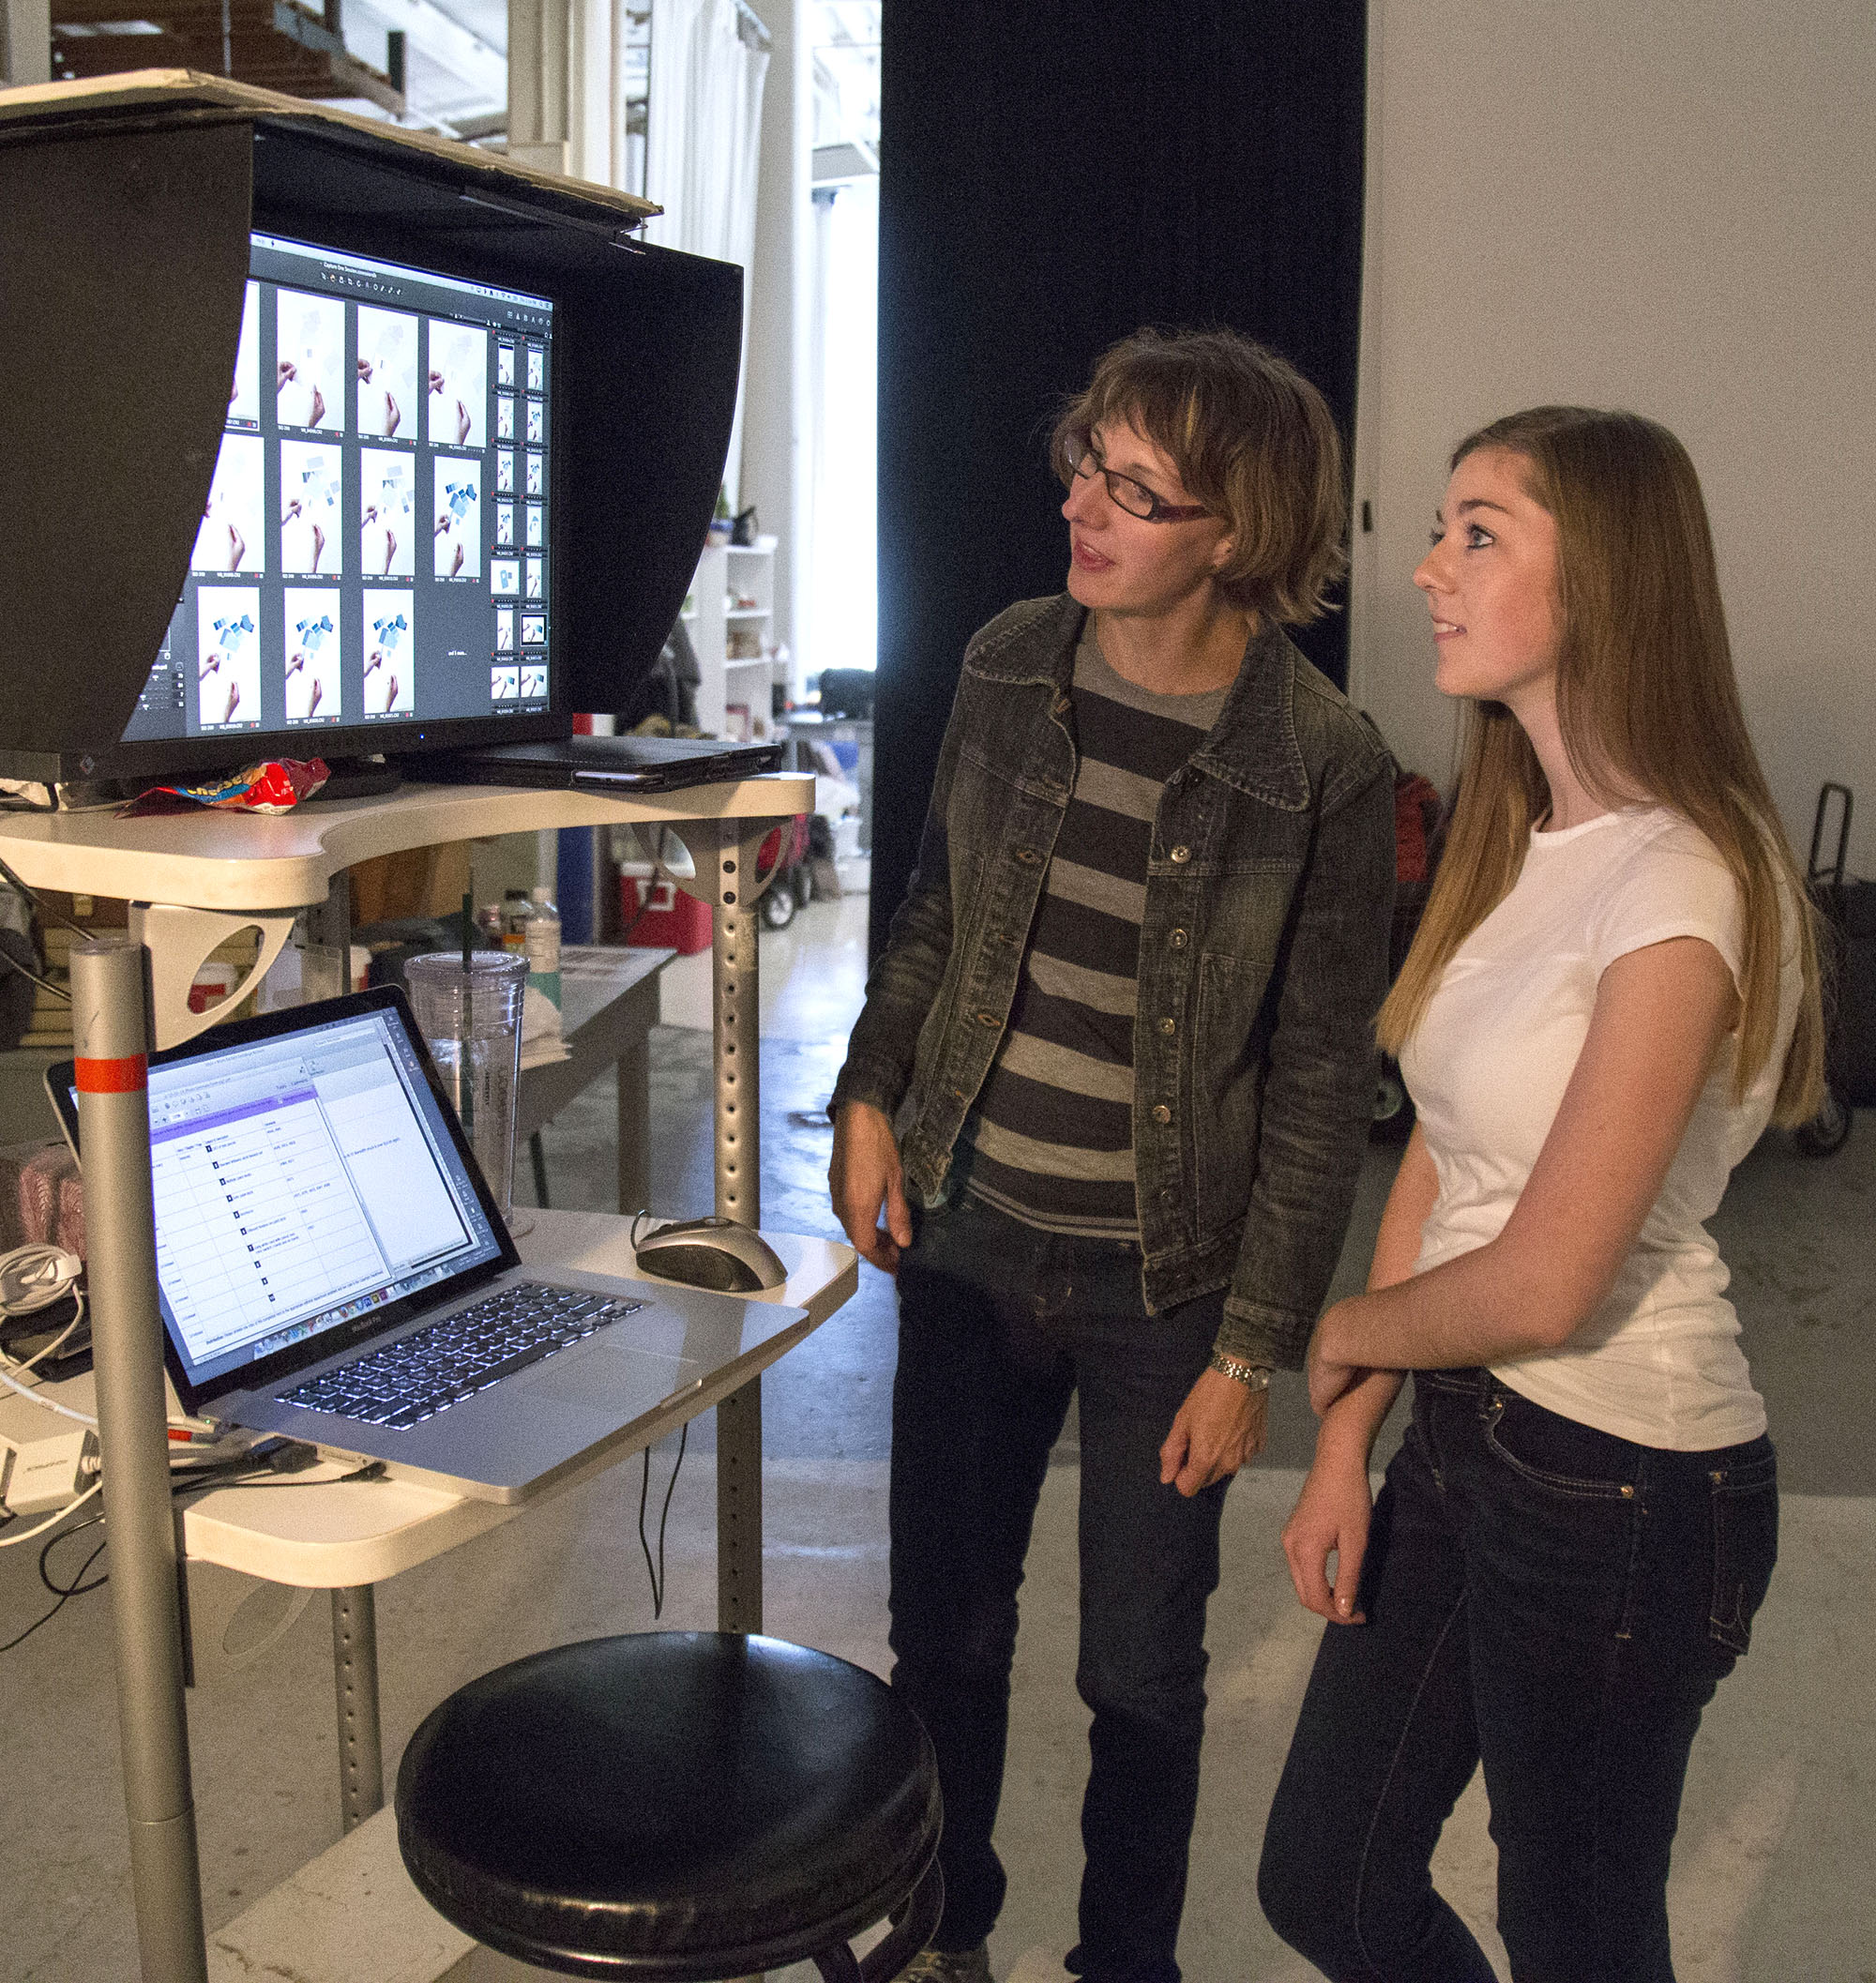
(1136, 498)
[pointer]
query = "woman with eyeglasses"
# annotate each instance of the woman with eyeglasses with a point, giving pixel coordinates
(1109, 1091)
(1613, 991)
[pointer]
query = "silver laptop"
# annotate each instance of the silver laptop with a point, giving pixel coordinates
(332, 1267)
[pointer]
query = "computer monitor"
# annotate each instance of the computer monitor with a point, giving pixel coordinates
(301, 401)
(374, 551)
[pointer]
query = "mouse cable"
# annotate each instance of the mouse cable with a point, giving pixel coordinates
(44, 907)
(45, 984)
(657, 1573)
(76, 1588)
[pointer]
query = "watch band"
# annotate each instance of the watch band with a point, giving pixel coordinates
(1253, 1376)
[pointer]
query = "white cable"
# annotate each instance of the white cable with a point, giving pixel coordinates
(52, 1522)
(51, 1404)
(34, 1277)
(14, 1363)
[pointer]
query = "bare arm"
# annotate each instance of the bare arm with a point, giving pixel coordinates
(1660, 1018)
(1332, 1513)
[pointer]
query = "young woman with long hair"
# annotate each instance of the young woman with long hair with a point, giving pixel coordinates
(1613, 990)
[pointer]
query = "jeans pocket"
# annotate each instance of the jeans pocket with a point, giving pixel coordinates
(1551, 1451)
(1744, 1498)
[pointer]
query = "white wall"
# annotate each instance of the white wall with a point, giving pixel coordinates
(1667, 208)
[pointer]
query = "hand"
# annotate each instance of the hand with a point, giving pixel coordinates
(1330, 1517)
(364, 369)
(393, 416)
(318, 546)
(318, 407)
(285, 372)
(464, 423)
(863, 1176)
(1328, 1379)
(435, 381)
(1219, 1429)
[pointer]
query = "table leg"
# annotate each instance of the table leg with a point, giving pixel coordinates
(111, 1027)
(355, 1676)
(634, 1127)
(739, 1510)
(736, 999)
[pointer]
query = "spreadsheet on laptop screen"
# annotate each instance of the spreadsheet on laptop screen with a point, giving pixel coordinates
(300, 1182)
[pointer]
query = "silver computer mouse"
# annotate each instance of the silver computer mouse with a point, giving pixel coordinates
(712, 1253)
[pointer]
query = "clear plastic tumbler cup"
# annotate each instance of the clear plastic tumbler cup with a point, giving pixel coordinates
(472, 1021)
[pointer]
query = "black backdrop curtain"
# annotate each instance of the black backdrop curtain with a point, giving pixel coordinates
(1053, 176)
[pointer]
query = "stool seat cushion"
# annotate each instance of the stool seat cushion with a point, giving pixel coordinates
(668, 1804)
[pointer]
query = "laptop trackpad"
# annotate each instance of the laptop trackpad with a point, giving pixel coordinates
(608, 1372)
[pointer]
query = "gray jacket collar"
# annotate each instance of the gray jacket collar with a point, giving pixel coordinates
(1253, 744)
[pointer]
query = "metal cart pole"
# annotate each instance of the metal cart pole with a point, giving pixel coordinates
(111, 1029)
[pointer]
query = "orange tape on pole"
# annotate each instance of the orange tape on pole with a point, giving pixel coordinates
(111, 1077)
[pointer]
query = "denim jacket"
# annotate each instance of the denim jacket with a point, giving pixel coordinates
(1263, 960)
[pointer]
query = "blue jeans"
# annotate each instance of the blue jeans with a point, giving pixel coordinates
(999, 1325)
(1560, 1605)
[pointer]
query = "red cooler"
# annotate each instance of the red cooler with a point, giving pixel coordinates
(658, 916)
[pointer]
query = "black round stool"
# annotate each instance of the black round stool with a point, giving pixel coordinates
(677, 1804)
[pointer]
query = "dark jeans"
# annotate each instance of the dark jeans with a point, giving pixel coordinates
(1561, 1605)
(999, 1324)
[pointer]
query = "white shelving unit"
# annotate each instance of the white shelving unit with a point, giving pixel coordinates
(732, 606)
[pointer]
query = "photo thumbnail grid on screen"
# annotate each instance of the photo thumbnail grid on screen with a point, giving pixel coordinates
(378, 510)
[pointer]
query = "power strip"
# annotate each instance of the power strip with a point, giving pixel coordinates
(38, 1474)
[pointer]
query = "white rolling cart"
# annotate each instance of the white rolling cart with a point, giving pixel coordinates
(192, 880)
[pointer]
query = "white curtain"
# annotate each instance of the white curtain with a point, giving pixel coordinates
(704, 143)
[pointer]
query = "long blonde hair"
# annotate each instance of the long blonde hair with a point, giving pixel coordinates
(1647, 702)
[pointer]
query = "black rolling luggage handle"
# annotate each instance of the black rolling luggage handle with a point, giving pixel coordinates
(1848, 907)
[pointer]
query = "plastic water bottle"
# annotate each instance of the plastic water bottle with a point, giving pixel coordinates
(542, 936)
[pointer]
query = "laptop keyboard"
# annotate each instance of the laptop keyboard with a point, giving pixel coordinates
(419, 1375)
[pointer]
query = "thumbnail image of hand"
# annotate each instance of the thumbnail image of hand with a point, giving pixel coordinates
(237, 550)
(371, 516)
(393, 413)
(439, 385)
(285, 373)
(288, 514)
(454, 558)
(211, 665)
(388, 681)
(296, 665)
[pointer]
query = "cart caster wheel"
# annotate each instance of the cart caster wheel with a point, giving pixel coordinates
(1827, 1131)
(778, 906)
(1392, 1108)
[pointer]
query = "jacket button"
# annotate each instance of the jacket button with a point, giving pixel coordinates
(1182, 854)
(1168, 1026)
(1179, 939)
(1162, 1112)
(1027, 856)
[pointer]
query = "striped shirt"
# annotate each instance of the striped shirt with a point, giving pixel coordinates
(1051, 1140)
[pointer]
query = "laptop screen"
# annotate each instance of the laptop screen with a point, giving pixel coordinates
(300, 1182)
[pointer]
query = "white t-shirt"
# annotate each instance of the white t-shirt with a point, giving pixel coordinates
(1660, 1361)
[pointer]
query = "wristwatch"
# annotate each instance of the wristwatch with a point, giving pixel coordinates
(1253, 1376)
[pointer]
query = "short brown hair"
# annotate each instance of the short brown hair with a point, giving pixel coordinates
(1252, 439)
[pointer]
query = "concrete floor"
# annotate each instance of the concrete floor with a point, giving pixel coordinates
(1771, 1881)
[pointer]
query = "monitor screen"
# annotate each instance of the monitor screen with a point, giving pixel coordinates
(375, 548)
